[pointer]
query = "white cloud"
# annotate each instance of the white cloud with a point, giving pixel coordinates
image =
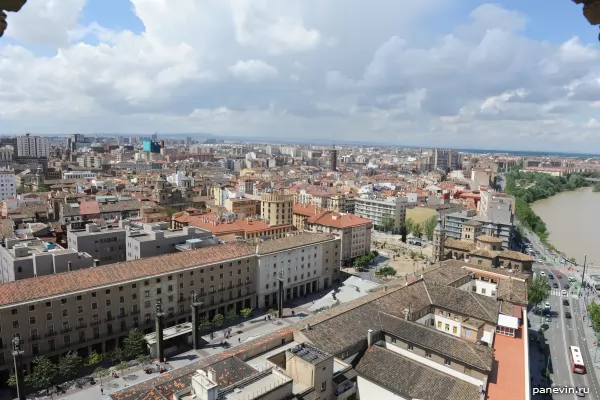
(381, 72)
(252, 70)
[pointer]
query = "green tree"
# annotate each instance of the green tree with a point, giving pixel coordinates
(403, 232)
(231, 314)
(12, 381)
(429, 227)
(359, 262)
(246, 312)
(594, 312)
(409, 223)
(273, 312)
(93, 359)
(204, 324)
(134, 344)
(44, 371)
(118, 355)
(417, 230)
(387, 222)
(122, 367)
(218, 320)
(100, 373)
(69, 365)
(144, 360)
(538, 290)
(386, 271)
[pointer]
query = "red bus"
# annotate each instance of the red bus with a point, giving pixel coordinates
(576, 359)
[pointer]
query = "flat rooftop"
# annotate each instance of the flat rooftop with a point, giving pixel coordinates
(507, 380)
(257, 388)
(168, 333)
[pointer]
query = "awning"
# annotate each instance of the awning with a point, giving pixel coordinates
(508, 321)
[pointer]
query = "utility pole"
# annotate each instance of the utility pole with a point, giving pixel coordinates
(583, 273)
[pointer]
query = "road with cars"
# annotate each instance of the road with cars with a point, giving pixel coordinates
(565, 326)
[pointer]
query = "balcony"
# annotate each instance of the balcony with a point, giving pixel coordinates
(66, 329)
(50, 334)
(122, 315)
(95, 322)
(34, 336)
(135, 312)
(109, 319)
(81, 325)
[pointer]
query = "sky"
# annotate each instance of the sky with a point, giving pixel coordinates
(510, 75)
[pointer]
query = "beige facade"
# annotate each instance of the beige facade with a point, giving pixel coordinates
(246, 207)
(98, 318)
(276, 208)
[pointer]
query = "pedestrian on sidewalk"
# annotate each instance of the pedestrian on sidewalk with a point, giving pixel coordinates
(101, 390)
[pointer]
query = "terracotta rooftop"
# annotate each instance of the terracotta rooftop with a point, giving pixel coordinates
(338, 220)
(488, 239)
(507, 381)
(290, 242)
(459, 244)
(86, 279)
(515, 255)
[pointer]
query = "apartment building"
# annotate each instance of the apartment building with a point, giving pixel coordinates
(8, 185)
(354, 232)
(276, 208)
(105, 245)
(243, 207)
(387, 344)
(27, 258)
(79, 175)
(307, 263)
(502, 227)
(375, 210)
(32, 146)
(157, 239)
(93, 310)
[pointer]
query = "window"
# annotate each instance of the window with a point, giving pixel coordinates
(323, 386)
(410, 347)
(49, 316)
(447, 327)
(454, 330)
(79, 298)
(94, 306)
(15, 324)
(107, 302)
(93, 294)
(147, 304)
(65, 313)
(48, 304)
(31, 320)
(158, 290)
(427, 354)
(467, 371)
(107, 291)
(121, 299)
(147, 293)
(14, 311)
(120, 288)
(447, 362)
(31, 308)
(134, 296)
(63, 301)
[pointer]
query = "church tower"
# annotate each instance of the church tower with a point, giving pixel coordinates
(439, 237)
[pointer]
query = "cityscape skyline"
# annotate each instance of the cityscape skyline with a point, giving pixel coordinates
(457, 74)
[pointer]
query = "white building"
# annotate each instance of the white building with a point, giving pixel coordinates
(376, 209)
(8, 185)
(307, 262)
(32, 146)
(177, 177)
(79, 175)
(7, 153)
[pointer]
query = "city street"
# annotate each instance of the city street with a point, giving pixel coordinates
(563, 332)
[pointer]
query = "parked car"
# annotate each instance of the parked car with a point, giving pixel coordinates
(558, 276)
(548, 319)
(555, 285)
(566, 286)
(542, 273)
(566, 302)
(547, 305)
(550, 276)
(563, 292)
(567, 315)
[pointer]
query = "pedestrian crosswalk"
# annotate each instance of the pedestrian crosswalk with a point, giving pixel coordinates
(556, 292)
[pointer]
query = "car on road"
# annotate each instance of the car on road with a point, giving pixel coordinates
(567, 315)
(558, 276)
(579, 392)
(542, 273)
(548, 319)
(547, 305)
(566, 302)
(550, 276)
(555, 285)
(563, 292)
(571, 279)
(566, 286)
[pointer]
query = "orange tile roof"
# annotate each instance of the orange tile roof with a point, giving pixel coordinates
(507, 380)
(307, 210)
(89, 207)
(83, 279)
(338, 220)
(210, 223)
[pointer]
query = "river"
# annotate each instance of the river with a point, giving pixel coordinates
(573, 221)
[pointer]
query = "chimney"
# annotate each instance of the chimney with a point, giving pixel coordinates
(96, 262)
(308, 326)
(69, 266)
(369, 337)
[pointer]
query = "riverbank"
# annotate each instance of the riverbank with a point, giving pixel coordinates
(529, 187)
(572, 223)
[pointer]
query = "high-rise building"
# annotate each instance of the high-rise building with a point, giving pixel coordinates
(32, 146)
(276, 208)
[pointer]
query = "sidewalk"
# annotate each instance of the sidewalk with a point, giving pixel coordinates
(248, 330)
(587, 339)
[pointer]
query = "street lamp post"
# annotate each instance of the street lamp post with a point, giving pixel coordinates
(583, 273)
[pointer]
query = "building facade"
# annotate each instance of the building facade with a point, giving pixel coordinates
(105, 245)
(276, 208)
(8, 185)
(32, 146)
(378, 210)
